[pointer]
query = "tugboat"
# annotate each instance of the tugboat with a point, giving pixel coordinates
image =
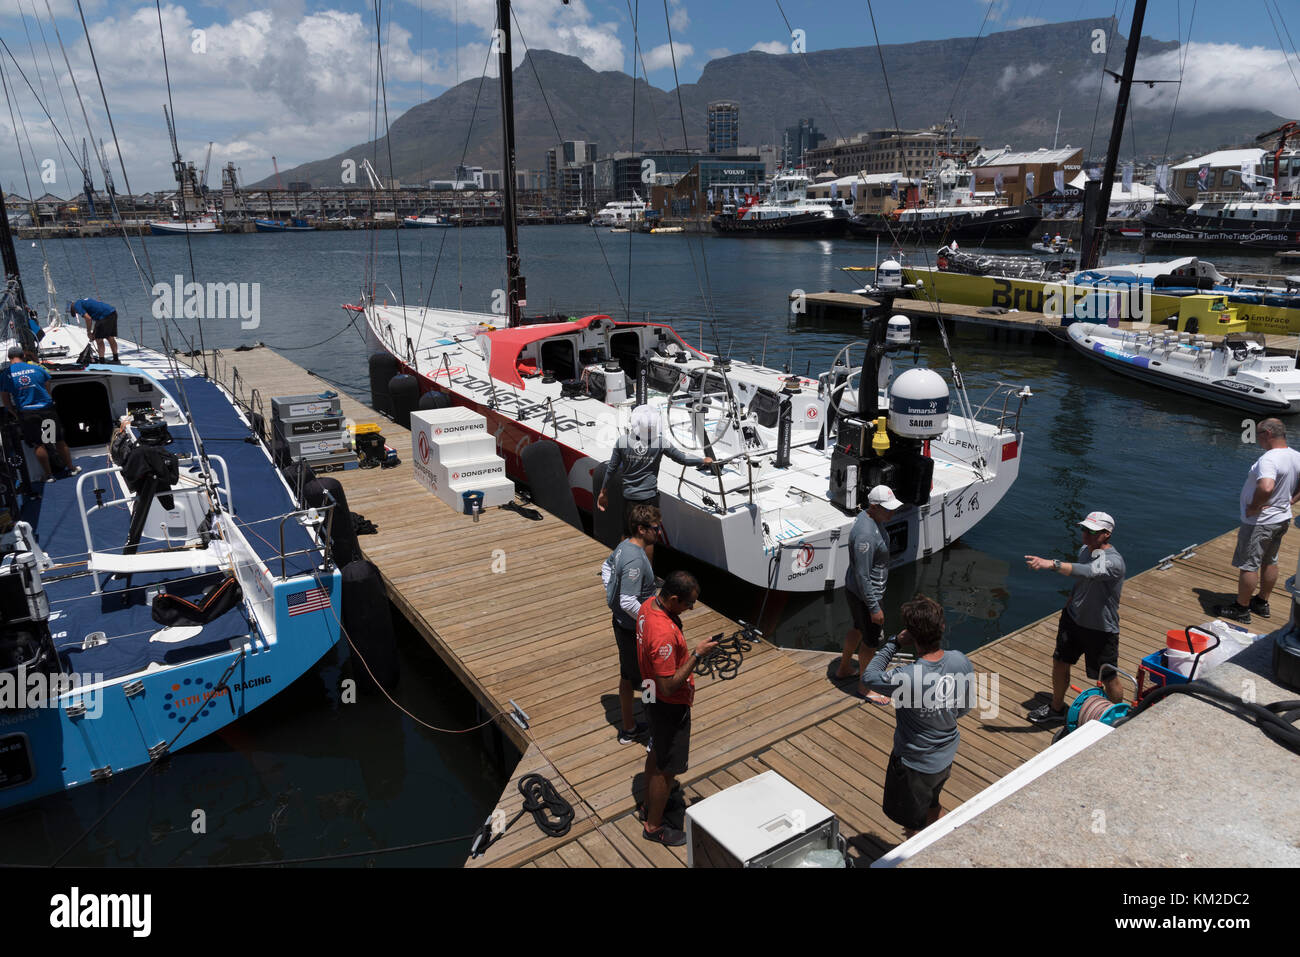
(786, 211)
(1262, 219)
(954, 212)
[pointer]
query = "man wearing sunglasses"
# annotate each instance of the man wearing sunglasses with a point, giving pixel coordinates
(629, 580)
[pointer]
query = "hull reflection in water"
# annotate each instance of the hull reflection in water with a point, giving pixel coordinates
(970, 584)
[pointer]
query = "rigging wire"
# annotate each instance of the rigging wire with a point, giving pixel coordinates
(1182, 66)
(1282, 45)
(108, 113)
(636, 19)
(189, 247)
(388, 142)
(704, 262)
(559, 139)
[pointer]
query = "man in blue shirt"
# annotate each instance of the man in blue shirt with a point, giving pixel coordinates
(22, 388)
(101, 323)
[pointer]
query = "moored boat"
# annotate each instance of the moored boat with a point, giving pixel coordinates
(786, 210)
(1235, 372)
(143, 609)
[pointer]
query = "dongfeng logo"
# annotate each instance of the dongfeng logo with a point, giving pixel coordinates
(804, 558)
(424, 447)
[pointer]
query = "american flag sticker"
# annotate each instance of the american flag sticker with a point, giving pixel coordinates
(310, 599)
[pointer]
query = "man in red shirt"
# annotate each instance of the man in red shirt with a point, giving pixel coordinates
(664, 658)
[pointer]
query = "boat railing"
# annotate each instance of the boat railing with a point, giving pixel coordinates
(1000, 417)
(321, 518)
(716, 471)
(103, 502)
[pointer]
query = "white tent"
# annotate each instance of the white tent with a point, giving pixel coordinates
(1138, 192)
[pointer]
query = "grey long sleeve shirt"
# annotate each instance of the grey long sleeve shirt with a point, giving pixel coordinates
(1094, 603)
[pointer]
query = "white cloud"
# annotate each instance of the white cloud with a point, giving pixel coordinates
(677, 17)
(1011, 74)
(1218, 76)
(772, 46)
(996, 7)
(717, 53)
(661, 56)
(541, 24)
(1028, 22)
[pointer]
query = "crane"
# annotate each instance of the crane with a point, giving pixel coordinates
(87, 184)
(108, 176)
(1283, 133)
(203, 180)
(375, 182)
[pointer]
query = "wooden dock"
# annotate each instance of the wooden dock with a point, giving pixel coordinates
(537, 632)
(851, 307)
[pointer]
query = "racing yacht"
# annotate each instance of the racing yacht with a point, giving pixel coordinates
(141, 611)
(794, 457)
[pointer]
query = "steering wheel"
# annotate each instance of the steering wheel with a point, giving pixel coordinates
(694, 408)
(835, 393)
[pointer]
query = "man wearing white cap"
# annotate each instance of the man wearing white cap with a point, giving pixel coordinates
(1089, 623)
(864, 583)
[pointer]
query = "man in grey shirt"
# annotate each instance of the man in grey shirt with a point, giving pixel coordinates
(1089, 623)
(629, 580)
(929, 695)
(636, 458)
(864, 582)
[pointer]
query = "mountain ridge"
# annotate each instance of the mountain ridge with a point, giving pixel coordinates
(1003, 88)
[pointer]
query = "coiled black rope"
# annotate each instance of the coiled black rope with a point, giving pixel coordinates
(1276, 720)
(552, 813)
(723, 662)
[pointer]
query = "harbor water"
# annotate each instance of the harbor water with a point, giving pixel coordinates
(307, 775)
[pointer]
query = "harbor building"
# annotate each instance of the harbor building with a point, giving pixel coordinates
(1222, 179)
(724, 127)
(867, 192)
(570, 174)
(619, 175)
(721, 176)
(798, 140)
(910, 152)
(1015, 168)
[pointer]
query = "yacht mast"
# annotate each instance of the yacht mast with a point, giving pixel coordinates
(1096, 203)
(516, 296)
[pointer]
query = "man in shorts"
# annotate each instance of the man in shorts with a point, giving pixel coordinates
(629, 581)
(929, 695)
(101, 323)
(864, 583)
(1272, 486)
(23, 391)
(664, 658)
(1089, 623)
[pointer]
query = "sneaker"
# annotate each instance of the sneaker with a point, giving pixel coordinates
(667, 835)
(1044, 715)
(1260, 607)
(49, 478)
(75, 470)
(627, 737)
(1234, 611)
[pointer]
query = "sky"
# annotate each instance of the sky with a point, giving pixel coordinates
(294, 79)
